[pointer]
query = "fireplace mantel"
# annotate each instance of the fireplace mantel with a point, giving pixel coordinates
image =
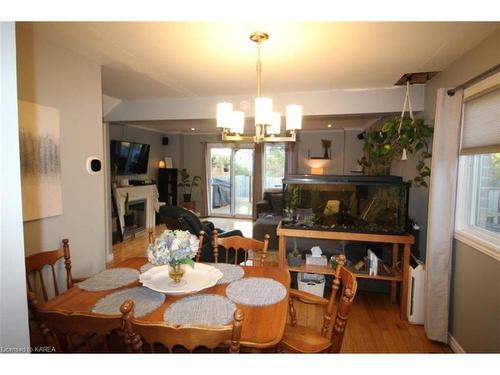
(136, 193)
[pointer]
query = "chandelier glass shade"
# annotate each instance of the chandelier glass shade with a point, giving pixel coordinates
(267, 123)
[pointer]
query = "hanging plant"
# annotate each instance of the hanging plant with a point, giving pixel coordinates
(398, 136)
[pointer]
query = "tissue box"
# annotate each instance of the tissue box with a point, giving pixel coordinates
(316, 261)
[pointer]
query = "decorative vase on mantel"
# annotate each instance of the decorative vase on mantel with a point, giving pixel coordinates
(175, 271)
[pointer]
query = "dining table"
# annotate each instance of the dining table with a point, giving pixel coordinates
(263, 326)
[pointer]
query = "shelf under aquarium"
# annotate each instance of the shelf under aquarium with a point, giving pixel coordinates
(341, 228)
(327, 270)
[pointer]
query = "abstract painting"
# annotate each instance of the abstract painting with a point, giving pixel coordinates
(40, 161)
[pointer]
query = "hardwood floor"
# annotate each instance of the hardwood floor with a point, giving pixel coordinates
(374, 325)
(132, 248)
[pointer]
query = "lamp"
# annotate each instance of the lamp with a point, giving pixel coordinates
(161, 164)
(267, 122)
(237, 122)
(317, 170)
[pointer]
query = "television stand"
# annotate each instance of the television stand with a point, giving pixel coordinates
(399, 242)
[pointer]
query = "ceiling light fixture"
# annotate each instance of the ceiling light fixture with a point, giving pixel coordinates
(267, 122)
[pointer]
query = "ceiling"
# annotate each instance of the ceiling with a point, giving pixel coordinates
(143, 60)
(309, 123)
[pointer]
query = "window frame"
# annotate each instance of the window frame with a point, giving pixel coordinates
(485, 241)
(283, 144)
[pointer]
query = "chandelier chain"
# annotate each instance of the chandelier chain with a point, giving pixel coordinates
(259, 70)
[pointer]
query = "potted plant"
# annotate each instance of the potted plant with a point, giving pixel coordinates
(292, 201)
(397, 138)
(128, 215)
(295, 257)
(186, 183)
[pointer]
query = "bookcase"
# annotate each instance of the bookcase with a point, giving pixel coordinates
(400, 243)
(167, 186)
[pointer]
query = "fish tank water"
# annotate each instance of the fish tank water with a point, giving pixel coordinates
(364, 204)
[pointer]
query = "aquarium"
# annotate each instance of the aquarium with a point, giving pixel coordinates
(367, 204)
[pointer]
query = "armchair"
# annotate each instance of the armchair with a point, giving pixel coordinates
(175, 217)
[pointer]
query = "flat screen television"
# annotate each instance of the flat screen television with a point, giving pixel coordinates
(129, 158)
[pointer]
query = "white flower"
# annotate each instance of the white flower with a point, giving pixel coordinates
(173, 246)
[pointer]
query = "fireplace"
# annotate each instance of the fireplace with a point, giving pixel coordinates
(138, 208)
(143, 200)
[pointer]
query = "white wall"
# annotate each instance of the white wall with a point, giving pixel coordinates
(53, 76)
(192, 159)
(13, 304)
(108, 103)
(174, 149)
(344, 151)
(327, 102)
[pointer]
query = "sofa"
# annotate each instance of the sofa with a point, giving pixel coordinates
(271, 204)
(269, 214)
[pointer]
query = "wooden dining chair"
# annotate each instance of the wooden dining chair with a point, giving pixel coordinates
(234, 245)
(69, 332)
(201, 238)
(175, 338)
(302, 339)
(36, 263)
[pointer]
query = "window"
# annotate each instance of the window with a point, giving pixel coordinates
(273, 165)
(478, 190)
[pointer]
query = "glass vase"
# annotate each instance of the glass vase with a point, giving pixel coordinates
(176, 272)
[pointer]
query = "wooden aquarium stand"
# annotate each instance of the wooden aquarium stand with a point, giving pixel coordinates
(399, 242)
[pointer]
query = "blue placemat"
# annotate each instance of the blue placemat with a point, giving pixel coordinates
(256, 291)
(201, 309)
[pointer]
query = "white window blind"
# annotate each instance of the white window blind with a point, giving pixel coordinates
(481, 120)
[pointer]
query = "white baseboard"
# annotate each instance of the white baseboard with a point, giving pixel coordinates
(454, 345)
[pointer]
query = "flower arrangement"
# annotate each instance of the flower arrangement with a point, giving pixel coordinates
(173, 247)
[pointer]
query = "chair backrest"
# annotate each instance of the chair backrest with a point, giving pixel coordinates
(346, 282)
(349, 288)
(234, 244)
(187, 337)
(36, 262)
(60, 327)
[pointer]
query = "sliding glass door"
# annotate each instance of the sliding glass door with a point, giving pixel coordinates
(230, 180)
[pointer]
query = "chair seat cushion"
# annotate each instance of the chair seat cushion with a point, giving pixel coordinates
(303, 340)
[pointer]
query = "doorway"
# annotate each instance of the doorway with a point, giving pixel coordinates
(230, 180)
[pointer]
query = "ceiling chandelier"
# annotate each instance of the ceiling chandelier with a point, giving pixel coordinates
(267, 122)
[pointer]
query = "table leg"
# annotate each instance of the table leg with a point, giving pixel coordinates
(394, 284)
(282, 251)
(404, 282)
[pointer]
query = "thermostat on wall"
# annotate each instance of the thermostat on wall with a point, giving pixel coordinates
(94, 165)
